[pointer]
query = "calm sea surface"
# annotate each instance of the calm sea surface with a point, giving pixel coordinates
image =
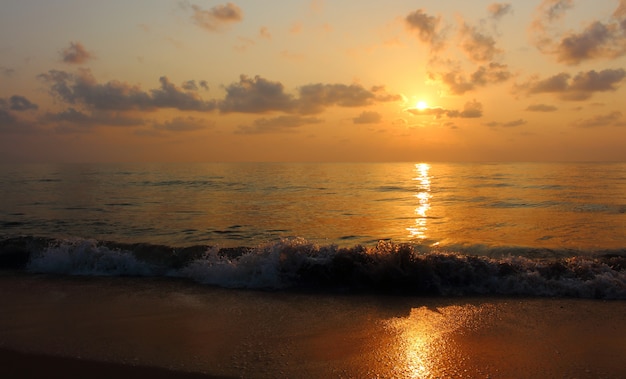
(472, 207)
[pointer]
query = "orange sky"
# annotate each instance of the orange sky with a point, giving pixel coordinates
(191, 80)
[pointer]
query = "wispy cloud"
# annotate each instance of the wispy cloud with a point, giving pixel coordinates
(472, 109)
(368, 117)
(426, 27)
(280, 124)
(541, 108)
(184, 124)
(509, 124)
(479, 46)
(498, 10)
(216, 18)
(76, 54)
(7, 72)
(610, 119)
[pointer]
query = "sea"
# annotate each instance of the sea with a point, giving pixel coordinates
(418, 228)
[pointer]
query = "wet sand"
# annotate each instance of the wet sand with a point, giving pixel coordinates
(136, 327)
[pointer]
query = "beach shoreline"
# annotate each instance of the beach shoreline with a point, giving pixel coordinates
(174, 328)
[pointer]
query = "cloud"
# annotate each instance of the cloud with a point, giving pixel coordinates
(184, 124)
(613, 118)
(72, 120)
(479, 47)
(367, 117)
(191, 85)
(18, 103)
(256, 95)
(620, 12)
(76, 54)
(472, 109)
(497, 10)
(541, 108)
(425, 26)
(314, 98)
(83, 88)
(280, 124)
(598, 40)
(9, 121)
(170, 96)
(580, 87)
(510, 124)
(216, 18)
(259, 95)
(458, 83)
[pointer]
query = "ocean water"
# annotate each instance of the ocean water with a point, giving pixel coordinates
(546, 229)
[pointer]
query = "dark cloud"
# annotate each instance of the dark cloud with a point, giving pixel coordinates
(541, 108)
(280, 124)
(170, 96)
(314, 98)
(20, 103)
(9, 121)
(497, 10)
(216, 18)
(259, 95)
(367, 117)
(478, 46)
(184, 124)
(425, 26)
(472, 109)
(256, 95)
(510, 124)
(580, 87)
(83, 88)
(599, 39)
(609, 119)
(75, 54)
(458, 82)
(191, 85)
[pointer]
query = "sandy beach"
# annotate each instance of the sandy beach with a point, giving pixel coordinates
(54, 326)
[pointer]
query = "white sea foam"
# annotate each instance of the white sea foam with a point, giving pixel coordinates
(385, 267)
(86, 257)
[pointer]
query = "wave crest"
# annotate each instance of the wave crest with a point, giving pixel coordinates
(299, 264)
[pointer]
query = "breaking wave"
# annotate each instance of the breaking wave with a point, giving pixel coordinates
(297, 264)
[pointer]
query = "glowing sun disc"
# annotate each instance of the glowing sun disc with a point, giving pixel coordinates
(421, 105)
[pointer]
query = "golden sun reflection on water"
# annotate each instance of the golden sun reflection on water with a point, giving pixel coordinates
(420, 228)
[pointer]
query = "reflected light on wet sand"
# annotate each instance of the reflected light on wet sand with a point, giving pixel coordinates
(420, 228)
(425, 340)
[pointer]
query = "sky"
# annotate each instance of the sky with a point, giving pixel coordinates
(312, 80)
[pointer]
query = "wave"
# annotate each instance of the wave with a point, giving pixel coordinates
(296, 263)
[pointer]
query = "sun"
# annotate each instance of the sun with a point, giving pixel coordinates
(421, 105)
